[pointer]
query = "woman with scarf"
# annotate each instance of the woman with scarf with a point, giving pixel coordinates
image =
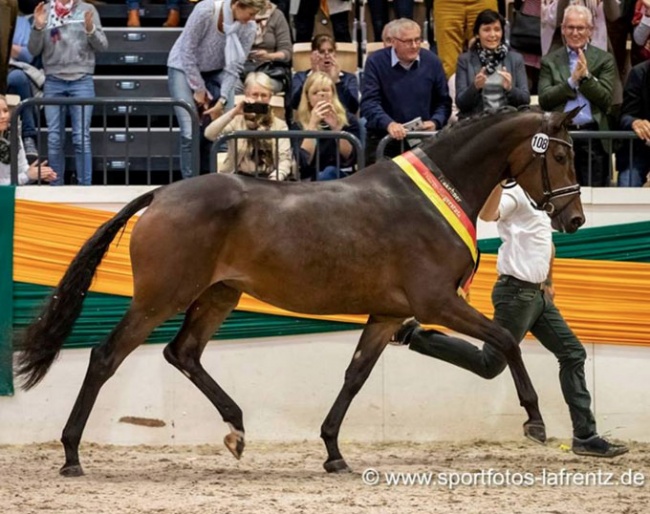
(67, 35)
(272, 49)
(489, 76)
(206, 60)
(26, 173)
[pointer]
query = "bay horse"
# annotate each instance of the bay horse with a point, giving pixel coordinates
(371, 244)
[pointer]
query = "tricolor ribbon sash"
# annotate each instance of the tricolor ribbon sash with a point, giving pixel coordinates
(446, 201)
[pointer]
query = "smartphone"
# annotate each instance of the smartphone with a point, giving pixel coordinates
(256, 108)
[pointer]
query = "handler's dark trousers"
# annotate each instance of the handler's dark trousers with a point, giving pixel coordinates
(520, 307)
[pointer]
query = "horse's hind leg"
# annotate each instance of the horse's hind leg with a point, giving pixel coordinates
(203, 318)
(458, 315)
(130, 332)
(374, 338)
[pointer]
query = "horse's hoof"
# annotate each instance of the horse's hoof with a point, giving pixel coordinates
(235, 443)
(73, 470)
(536, 432)
(336, 466)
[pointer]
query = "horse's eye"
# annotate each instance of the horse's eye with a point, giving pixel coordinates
(561, 158)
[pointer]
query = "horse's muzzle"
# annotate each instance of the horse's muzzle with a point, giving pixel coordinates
(568, 224)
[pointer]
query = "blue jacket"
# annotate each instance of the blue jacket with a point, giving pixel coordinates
(396, 94)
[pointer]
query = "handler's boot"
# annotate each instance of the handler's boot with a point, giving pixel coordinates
(173, 18)
(134, 18)
(596, 446)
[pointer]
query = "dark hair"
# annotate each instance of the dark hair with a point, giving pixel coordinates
(320, 39)
(487, 17)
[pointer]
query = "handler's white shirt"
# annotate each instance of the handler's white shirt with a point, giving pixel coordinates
(526, 235)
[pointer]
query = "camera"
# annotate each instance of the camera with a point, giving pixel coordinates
(256, 108)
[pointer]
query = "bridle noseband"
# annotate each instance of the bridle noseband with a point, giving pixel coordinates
(540, 144)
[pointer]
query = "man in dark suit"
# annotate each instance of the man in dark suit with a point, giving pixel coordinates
(580, 74)
(635, 115)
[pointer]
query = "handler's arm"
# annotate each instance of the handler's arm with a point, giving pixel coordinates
(549, 290)
(490, 210)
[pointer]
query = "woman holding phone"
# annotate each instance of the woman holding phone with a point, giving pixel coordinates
(265, 158)
(321, 109)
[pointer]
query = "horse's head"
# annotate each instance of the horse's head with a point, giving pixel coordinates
(543, 167)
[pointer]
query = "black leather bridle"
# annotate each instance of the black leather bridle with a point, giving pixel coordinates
(548, 194)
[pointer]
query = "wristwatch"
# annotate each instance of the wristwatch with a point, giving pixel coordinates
(584, 79)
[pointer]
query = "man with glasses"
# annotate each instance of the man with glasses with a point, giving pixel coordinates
(403, 83)
(580, 74)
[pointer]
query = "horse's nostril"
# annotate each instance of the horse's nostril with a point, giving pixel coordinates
(577, 221)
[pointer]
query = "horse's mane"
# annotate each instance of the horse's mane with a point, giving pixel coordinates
(453, 136)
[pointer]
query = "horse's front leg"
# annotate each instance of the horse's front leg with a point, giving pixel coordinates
(458, 315)
(374, 338)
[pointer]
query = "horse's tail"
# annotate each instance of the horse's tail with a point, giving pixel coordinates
(39, 345)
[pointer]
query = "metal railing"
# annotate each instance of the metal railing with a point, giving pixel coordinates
(608, 136)
(121, 134)
(293, 135)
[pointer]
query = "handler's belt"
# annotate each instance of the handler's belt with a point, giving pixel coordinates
(509, 280)
(428, 177)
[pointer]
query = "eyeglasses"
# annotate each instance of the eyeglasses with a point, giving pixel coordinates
(326, 51)
(573, 28)
(416, 41)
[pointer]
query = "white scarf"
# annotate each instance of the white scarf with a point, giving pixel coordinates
(234, 50)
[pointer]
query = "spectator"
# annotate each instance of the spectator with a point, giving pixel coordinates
(173, 13)
(67, 49)
(635, 115)
(8, 15)
(321, 109)
(272, 49)
(602, 13)
(258, 157)
(380, 14)
(26, 172)
(618, 32)
(641, 34)
(403, 83)
(304, 15)
(490, 76)
(591, 74)
(453, 22)
(284, 5)
(23, 80)
(206, 61)
(323, 58)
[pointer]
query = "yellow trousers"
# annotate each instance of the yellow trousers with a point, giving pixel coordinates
(453, 21)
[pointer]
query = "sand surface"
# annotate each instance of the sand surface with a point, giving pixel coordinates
(515, 477)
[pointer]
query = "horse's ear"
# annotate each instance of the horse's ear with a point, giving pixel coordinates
(567, 117)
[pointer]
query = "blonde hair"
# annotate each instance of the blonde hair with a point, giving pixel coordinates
(319, 79)
(258, 5)
(259, 78)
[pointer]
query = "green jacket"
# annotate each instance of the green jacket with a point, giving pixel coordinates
(555, 92)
